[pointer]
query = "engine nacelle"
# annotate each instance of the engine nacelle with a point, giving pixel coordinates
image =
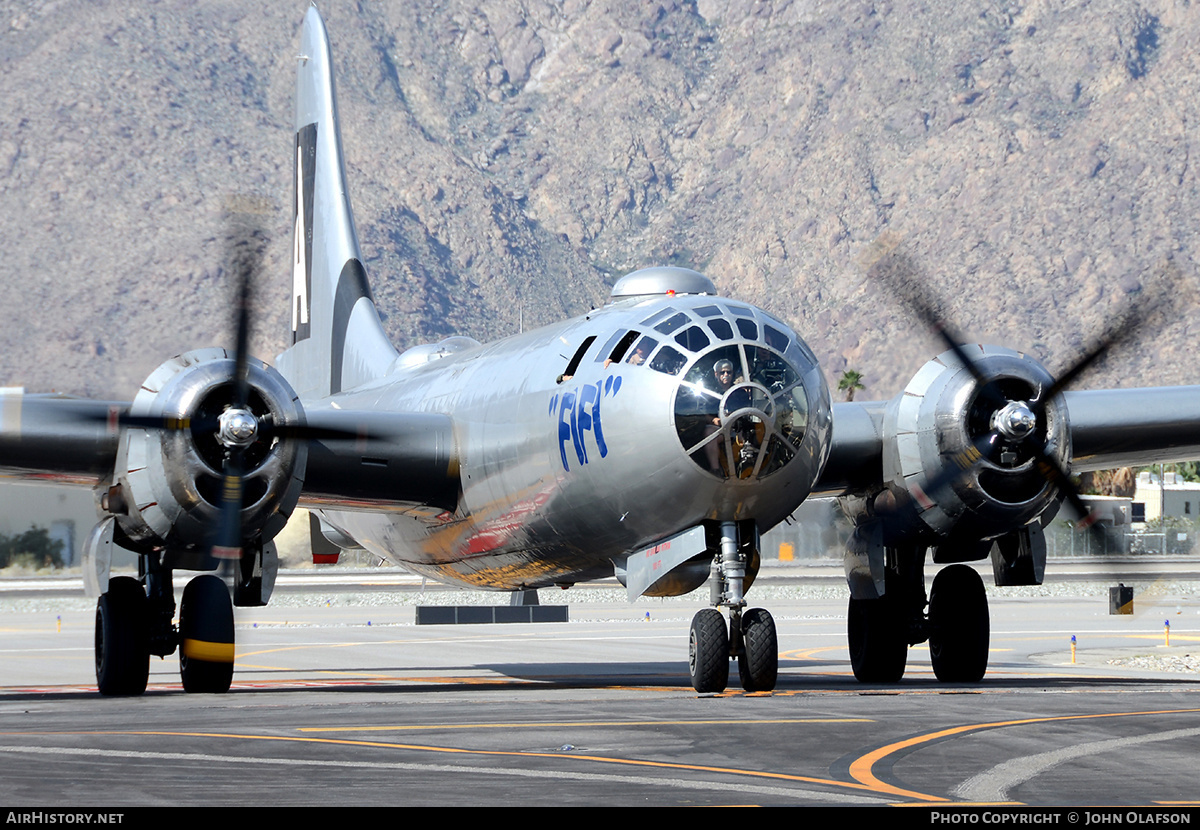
(169, 480)
(930, 461)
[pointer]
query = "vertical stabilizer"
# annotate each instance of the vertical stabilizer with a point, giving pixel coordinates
(337, 339)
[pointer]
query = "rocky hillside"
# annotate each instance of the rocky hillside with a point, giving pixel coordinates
(510, 158)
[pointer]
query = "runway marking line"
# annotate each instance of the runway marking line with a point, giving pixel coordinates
(807, 653)
(776, 776)
(862, 769)
(810, 653)
(560, 724)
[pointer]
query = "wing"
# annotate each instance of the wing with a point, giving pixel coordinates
(158, 462)
(1133, 427)
(966, 469)
(57, 438)
(1108, 428)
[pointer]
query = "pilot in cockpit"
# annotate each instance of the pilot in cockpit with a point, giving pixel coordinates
(723, 379)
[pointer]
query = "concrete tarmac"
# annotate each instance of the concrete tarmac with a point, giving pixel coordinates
(341, 700)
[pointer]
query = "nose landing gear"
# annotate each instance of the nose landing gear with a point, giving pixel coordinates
(750, 637)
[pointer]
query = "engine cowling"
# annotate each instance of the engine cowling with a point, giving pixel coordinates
(169, 478)
(933, 465)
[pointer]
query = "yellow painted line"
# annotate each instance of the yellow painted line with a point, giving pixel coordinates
(582, 723)
(862, 770)
(807, 653)
(407, 641)
(293, 648)
(557, 756)
(208, 652)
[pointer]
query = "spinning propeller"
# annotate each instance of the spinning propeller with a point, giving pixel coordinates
(1009, 426)
(232, 427)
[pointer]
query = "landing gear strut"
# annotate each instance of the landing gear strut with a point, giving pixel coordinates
(750, 636)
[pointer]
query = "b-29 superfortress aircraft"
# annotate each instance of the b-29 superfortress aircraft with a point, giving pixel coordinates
(655, 438)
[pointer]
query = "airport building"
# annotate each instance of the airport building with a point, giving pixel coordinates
(1165, 495)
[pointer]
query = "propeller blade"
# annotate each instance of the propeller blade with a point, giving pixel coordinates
(1162, 288)
(897, 270)
(307, 432)
(961, 464)
(244, 258)
(227, 537)
(117, 418)
(1056, 475)
(245, 240)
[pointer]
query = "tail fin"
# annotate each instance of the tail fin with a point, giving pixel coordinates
(338, 341)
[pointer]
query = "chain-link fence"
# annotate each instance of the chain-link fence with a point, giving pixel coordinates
(819, 531)
(1063, 540)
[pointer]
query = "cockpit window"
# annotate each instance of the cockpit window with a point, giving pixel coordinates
(769, 369)
(776, 339)
(741, 411)
(642, 351)
(656, 316)
(799, 354)
(619, 350)
(748, 329)
(573, 366)
(721, 328)
(693, 339)
(708, 311)
(668, 361)
(669, 325)
(609, 345)
(740, 310)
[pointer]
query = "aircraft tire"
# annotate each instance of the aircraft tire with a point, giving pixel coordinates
(878, 649)
(122, 639)
(708, 652)
(206, 636)
(758, 664)
(959, 625)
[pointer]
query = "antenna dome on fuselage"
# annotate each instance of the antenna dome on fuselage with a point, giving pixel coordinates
(662, 280)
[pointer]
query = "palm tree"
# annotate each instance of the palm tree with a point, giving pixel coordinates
(851, 380)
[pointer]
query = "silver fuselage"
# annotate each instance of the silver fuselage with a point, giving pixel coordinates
(559, 480)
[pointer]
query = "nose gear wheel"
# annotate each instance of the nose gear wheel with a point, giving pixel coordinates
(708, 652)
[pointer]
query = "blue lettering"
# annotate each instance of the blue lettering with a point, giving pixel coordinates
(586, 396)
(576, 434)
(579, 413)
(596, 428)
(564, 426)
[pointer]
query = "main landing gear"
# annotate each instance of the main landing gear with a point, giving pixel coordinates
(133, 621)
(122, 644)
(959, 626)
(206, 636)
(750, 636)
(956, 625)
